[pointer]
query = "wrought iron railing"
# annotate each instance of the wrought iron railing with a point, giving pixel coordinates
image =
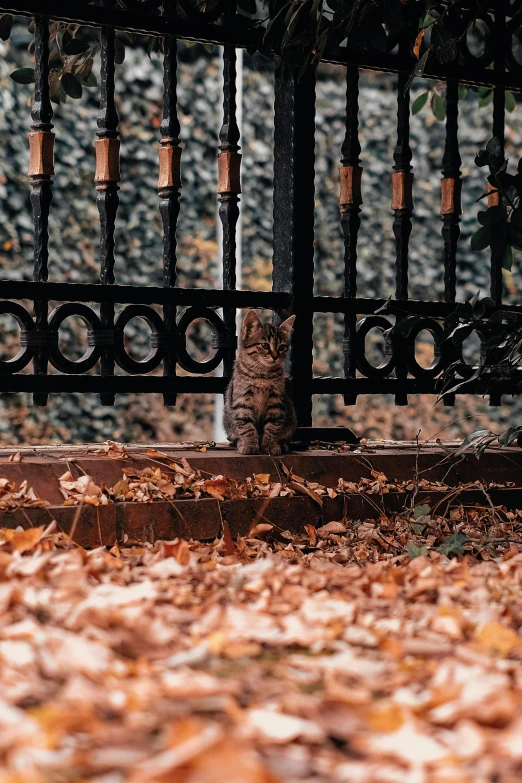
(293, 259)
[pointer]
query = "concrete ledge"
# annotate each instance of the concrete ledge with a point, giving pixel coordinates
(203, 519)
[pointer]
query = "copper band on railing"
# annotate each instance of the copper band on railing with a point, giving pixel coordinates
(350, 195)
(402, 190)
(169, 164)
(450, 192)
(229, 172)
(107, 160)
(41, 153)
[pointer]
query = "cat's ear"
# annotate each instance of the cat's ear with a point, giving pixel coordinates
(251, 322)
(286, 327)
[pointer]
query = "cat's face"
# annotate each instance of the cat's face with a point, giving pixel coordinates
(263, 344)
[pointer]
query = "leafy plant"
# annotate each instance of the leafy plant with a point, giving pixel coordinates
(453, 546)
(435, 98)
(416, 551)
(501, 225)
(72, 50)
(299, 32)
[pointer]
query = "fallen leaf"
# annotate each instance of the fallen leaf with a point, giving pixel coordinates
(499, 639)
(25, 540)
(230, 545)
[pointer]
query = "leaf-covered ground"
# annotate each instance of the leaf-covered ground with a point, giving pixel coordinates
(308, 658)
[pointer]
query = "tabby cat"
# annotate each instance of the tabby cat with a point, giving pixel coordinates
(259, 414)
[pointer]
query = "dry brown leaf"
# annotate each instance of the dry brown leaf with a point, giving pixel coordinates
(230, 544)
(331, 527)
(262, 527)
(178, 549)
(302, 489)
(418, 43)
(25, 540)
(153, 454)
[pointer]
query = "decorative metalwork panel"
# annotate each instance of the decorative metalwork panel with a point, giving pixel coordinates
(107, 366)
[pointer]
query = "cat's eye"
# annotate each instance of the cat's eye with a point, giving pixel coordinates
(265, 346)
(282, 348)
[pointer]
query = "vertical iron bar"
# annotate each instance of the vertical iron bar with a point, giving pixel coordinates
(228, 188)
(169, 184)
(402, 182)
(41, 169)
(107, 177)
(499, 125)
(451, 187)
(402, 200)
(294, 191)
(350, 200)
(450, 205)
(499, 42)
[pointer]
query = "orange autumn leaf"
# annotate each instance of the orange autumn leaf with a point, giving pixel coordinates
(180, 550)
(388, 718)
(498, 638)
(418, 43)
(24, 540)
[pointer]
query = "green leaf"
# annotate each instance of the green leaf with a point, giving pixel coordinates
(493, 147)
(6, 25)
(481, 158)
(418, 70)
(463, 92)
(509, 101)
(481, 239)
(486, 98)
(72, 86)
(23, 76)
(90, 80)
(418, 529)
(419, 103)
(454, 545)
(119, 52)
(491, 216)
(438, 106)
(421, 511)
(416, 551)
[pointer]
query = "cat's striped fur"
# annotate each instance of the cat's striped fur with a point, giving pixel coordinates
(259, 414)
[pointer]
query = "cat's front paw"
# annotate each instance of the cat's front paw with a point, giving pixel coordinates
(272, 447)
(248, 447)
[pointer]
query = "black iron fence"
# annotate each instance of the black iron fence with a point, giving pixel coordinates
(400, 373)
